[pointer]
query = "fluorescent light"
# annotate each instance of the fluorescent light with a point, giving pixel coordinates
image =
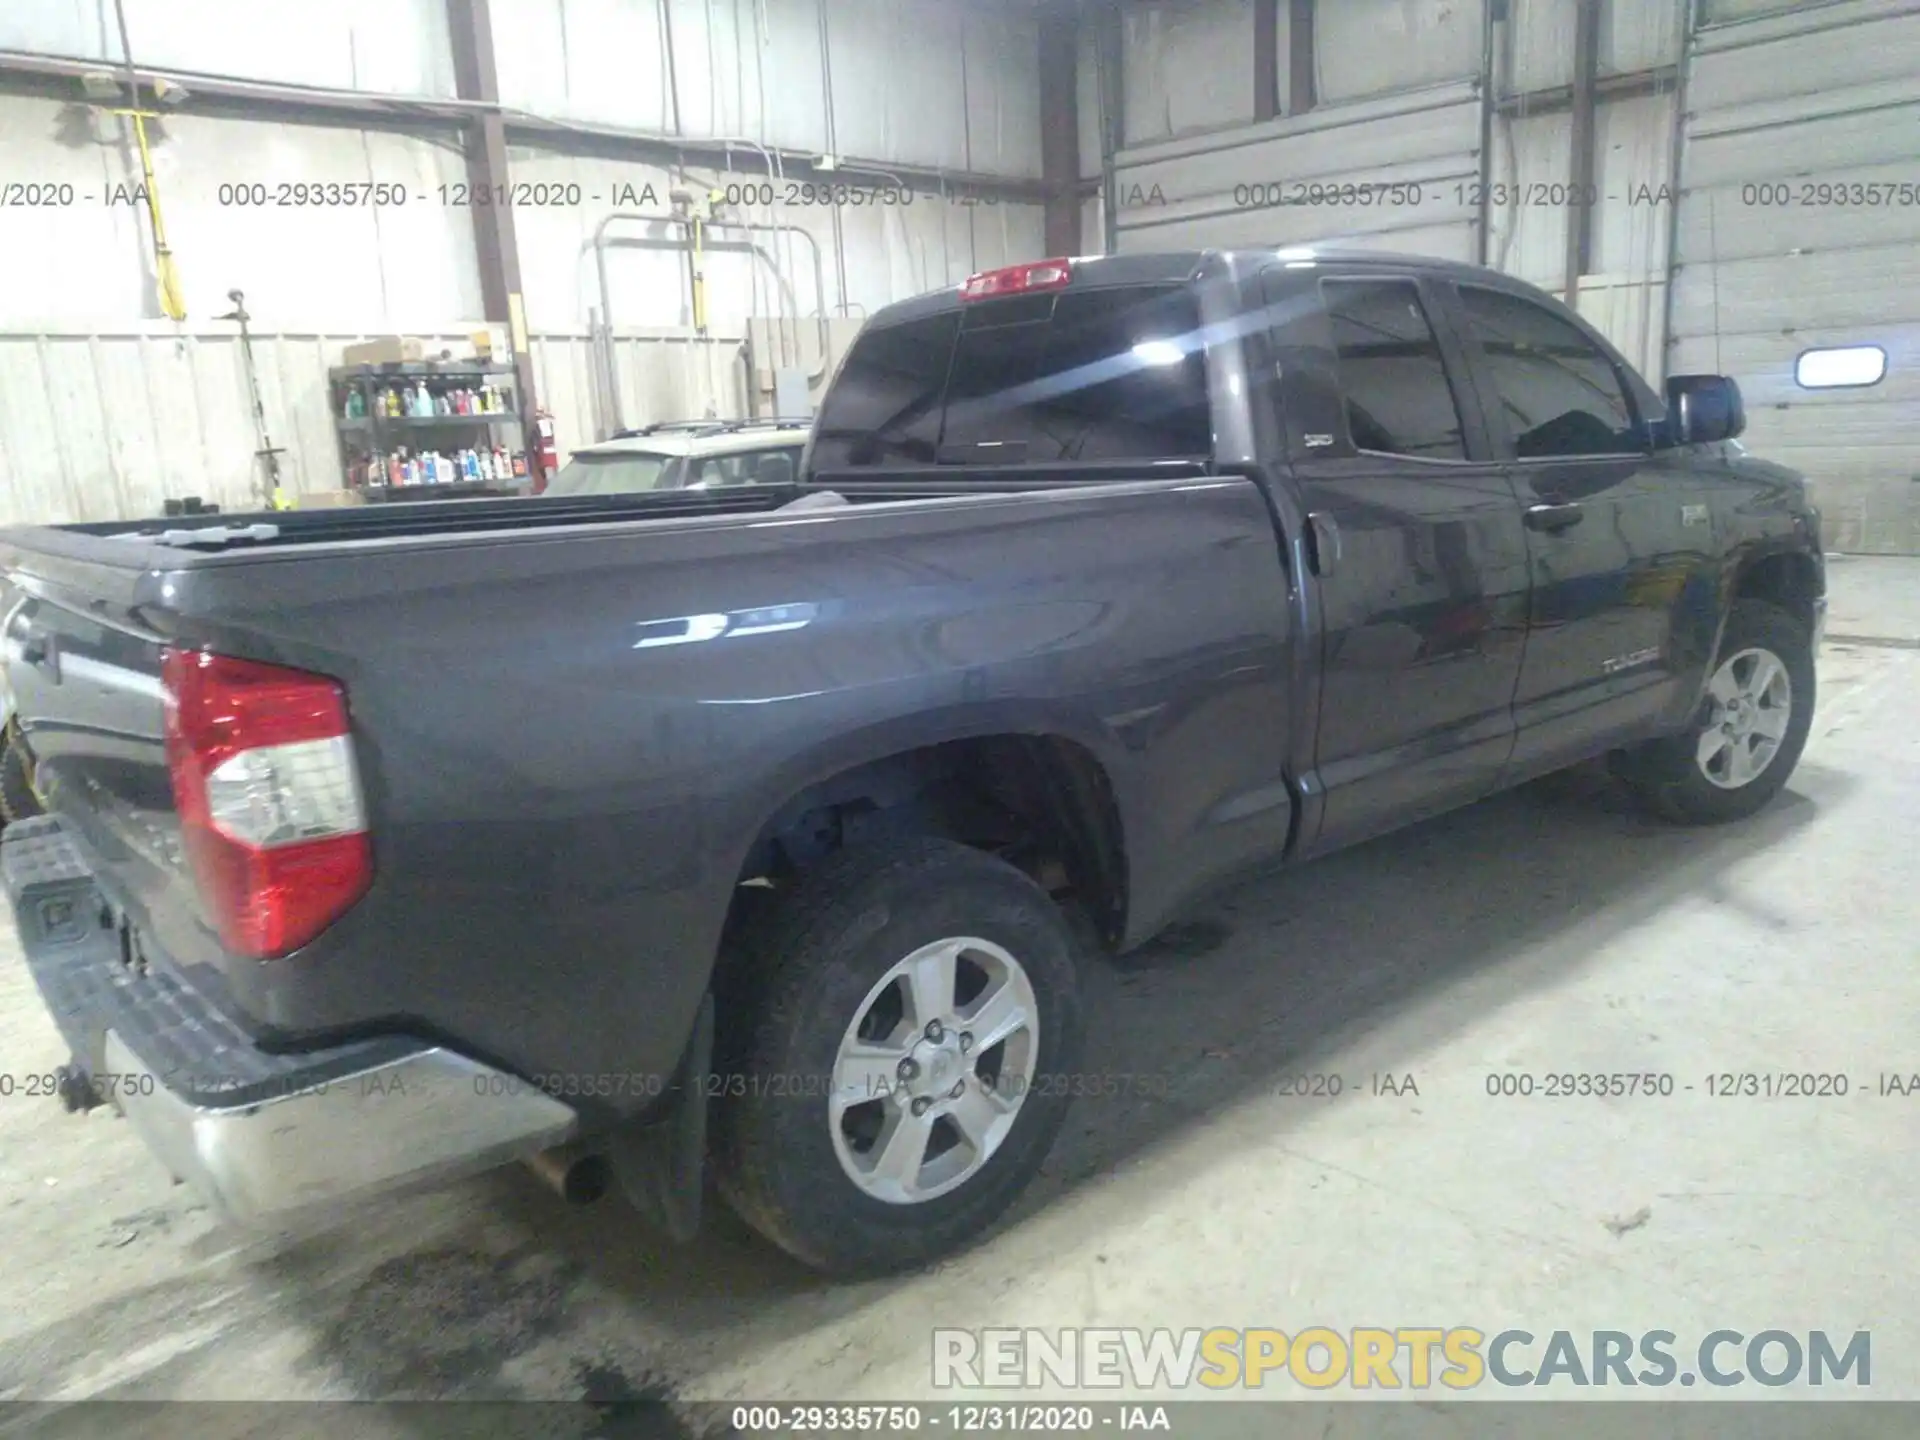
(1841, 367)
(1159, 352)
(1295, 252)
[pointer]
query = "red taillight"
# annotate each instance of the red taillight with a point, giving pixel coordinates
(268, 795)
(1018, 279)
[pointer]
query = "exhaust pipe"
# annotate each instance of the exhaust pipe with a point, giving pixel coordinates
(577, 1175)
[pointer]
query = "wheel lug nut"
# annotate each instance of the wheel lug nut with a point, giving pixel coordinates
(935, 1031)
(921, 1105)
(966, 1041)
(909, 1069)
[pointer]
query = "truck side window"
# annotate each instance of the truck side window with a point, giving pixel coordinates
(1560, 394)
(884, 407)
(1392, 379)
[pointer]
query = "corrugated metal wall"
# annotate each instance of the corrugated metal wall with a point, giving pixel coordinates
(106, 408)
(1392, 172)
(1799, 103)
(1396, 135)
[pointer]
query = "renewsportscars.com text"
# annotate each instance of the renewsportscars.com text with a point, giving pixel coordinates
(1460, 1357)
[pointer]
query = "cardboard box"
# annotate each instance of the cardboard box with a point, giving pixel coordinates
(387, 350)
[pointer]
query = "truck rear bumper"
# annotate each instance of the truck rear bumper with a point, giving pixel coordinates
(264, 1136)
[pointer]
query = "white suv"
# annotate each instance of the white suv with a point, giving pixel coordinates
(686, 455)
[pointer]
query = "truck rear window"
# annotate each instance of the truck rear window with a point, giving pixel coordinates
(1117, 373)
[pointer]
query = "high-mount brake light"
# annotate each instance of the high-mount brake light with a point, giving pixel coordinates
(268, 794)
(1018, 279)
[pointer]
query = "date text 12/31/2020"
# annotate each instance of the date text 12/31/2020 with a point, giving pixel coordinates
(543, 195)
(50, 194)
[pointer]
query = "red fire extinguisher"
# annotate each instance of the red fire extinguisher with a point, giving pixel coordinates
(546, 450)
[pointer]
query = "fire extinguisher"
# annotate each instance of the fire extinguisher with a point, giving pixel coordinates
(546, 450)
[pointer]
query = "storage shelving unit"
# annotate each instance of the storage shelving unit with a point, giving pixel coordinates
(369, 438)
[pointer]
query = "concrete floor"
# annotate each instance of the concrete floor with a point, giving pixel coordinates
(1549, 930)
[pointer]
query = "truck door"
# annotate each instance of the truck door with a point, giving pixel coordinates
(1618, 561)
(1416, 545)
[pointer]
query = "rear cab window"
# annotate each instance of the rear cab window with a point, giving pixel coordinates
(1113, 373)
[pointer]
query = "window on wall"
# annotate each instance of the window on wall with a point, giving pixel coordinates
(1392, 380)
(1840, 367)
(1559, 393)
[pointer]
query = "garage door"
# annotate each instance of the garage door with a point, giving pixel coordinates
(1799, 231)
(1396, 172)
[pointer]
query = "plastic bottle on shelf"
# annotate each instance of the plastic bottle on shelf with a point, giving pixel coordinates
(356, 404)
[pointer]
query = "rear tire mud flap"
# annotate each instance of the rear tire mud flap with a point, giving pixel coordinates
(661, 1167)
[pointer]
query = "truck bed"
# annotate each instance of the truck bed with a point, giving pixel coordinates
(564, 768)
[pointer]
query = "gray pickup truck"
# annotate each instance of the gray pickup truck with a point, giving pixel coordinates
(656, 837)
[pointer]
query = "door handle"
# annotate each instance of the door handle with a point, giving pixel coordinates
(1323, 543)
(1553, 518)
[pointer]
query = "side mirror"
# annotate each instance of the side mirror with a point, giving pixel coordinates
(1703, 409)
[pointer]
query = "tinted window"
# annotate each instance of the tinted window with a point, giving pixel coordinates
(883, 408)
(1560, 394)
(1109, 374)
(608, 472)
(1116, 374)
(1393, 382)
(751, 467)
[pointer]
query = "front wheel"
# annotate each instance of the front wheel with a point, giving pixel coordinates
(914, 1014)
(1750, 728)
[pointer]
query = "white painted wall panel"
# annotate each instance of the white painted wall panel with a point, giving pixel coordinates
(1634, 35)
(1205, 191)
(1633, 178)
(392, 46)
(1188, 67)
(1641, 34)
(407, 265)
(1530, 155)
(1773, 258)
(1375, 47)
(918, 81)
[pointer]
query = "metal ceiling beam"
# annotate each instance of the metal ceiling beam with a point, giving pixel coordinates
(226, 97)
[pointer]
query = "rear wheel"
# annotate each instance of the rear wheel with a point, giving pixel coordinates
(1750, 728)
(894, 1091)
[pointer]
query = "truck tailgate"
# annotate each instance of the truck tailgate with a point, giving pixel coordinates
(89, 703)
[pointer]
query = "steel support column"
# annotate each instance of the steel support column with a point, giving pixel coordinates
(1060, 131)
(1266, 59)
(1586, 64)
(484, 138)
(1300, 42)
(1109, 49)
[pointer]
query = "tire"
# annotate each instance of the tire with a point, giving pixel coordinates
(17, 800)
(1690, 781)
(788, 1149)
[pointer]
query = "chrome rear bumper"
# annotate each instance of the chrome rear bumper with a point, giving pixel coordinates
(427, 1117)
(264, 1136)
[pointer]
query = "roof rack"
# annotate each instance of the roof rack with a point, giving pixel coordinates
(716, 427)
